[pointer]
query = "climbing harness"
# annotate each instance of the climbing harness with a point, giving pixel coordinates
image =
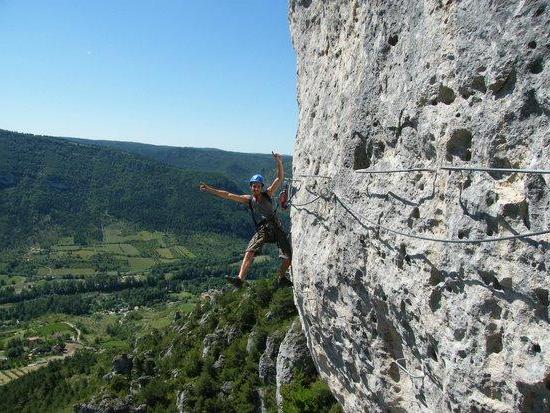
(251, 209)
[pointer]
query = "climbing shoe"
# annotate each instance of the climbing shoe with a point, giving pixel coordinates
(237, 282)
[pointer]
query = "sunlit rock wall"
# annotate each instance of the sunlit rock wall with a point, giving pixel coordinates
(401, 324)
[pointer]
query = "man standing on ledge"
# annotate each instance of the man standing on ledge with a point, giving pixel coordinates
(268, 226)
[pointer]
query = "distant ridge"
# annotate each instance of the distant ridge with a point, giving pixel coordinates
(237, 166)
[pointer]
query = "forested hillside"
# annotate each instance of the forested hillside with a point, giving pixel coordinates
(235, 165)
(50, 185)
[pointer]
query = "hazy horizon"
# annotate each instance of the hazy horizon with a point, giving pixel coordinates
(140, 143)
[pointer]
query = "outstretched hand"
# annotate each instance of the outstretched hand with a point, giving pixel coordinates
(203, 187)
(277, 156)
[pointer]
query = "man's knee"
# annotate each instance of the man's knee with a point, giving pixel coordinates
(249, 255)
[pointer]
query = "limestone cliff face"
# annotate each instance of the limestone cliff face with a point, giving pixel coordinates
(396, 323)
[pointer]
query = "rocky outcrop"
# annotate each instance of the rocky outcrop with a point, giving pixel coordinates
(182, 398)
(260, 400)
(268, 360)
(122, 364)
(219, 338)
(211, 340)
(219, 363)
(256, 341)
(293, 356)
(109, 404)
(398, 323)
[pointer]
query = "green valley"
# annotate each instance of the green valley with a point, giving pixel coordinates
(111, 284)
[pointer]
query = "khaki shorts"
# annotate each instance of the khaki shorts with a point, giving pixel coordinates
(270, 232)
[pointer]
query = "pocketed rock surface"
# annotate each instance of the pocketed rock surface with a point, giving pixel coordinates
(404, 324)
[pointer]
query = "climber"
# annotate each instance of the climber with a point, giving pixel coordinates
(268, 226)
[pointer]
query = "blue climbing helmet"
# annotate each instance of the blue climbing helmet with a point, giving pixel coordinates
(257, 178)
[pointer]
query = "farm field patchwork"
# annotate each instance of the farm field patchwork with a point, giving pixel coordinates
(123, 250)
(100, 331)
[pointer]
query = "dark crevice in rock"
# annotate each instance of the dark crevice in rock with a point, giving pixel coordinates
(506, 282)
(401, 256)
(304, 3)
(435, 276)
(392, 340)
(541, 298)
(393, 39)
(499, 162)
(331, 294)
(478, 83)
(540, 11)
(446, 95)
(459, 334)
(530, 106)
(432, 349)
(366, 151)
(536, 188)
(460, 144)
(491, 389)
(415, 214)
(504, 85)
(490, 198)
(491, 225)
(491, 308)
(361, 158)
(517, 210)
(493, 343)
(536, 66)
(393, 372)
(489, 278)
(535, 397)
(463, 233)
(435, 300)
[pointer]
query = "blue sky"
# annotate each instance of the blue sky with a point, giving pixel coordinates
(182, 73)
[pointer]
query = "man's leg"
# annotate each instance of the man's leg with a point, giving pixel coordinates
(245, 266)
(254, 247)
(285, 252)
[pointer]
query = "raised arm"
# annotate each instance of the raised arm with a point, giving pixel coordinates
(242, 199)
(280, 174)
